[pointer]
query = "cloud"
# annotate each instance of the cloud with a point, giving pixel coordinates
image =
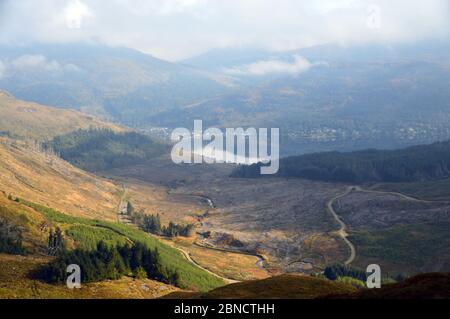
(2, 69)
(176, 29)
(39, 62)
(178, 6)
(75, 12)
(35, 61)
(299, 65)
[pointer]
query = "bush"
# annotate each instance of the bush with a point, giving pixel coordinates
(140, 273)
(338, 270)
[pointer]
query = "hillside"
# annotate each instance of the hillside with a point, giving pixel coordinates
(27, 172)
(417, 163)
(430, 190)
(17, 285)
(101, 149)
(284, 286)
(38, 122)
(29, 225)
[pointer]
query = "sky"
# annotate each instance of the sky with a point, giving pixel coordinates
(177, 29)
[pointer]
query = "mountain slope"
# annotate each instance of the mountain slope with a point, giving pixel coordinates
(95, 150)
(34, 223)
(27, 172)
(34, 121)
(114, 82)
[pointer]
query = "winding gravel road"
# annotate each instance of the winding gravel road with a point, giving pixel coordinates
(343, 230)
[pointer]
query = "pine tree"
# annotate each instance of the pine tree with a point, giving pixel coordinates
(130, 209)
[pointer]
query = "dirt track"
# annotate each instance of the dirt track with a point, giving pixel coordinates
(343, 230)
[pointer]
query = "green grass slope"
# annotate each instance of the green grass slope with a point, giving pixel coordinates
(86, 232)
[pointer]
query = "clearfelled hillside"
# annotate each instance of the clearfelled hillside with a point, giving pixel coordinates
(34, 121)
(46, 179)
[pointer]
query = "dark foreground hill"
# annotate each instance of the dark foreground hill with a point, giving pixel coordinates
(283, 286)
(424, 286)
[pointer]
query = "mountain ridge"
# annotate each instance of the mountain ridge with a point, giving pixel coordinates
(35, 121)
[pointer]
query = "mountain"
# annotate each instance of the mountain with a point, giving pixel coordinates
(227, 58)
(117, 83)
(42, 195)
(332, 97)
(27, 120)
(322, 98)
(220, 59)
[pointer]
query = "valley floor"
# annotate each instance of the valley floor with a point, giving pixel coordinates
(297, 234)
(289, 221)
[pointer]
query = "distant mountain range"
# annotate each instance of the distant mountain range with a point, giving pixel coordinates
(117, 83)
(322, 98)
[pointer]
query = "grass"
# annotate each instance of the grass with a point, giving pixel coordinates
(405, 247)
(86, 231)
(352, 281)
(87, 237)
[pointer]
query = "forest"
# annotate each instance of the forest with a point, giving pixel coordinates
(417, 163)
(101, 149)
(109, 263)
(152, 224)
